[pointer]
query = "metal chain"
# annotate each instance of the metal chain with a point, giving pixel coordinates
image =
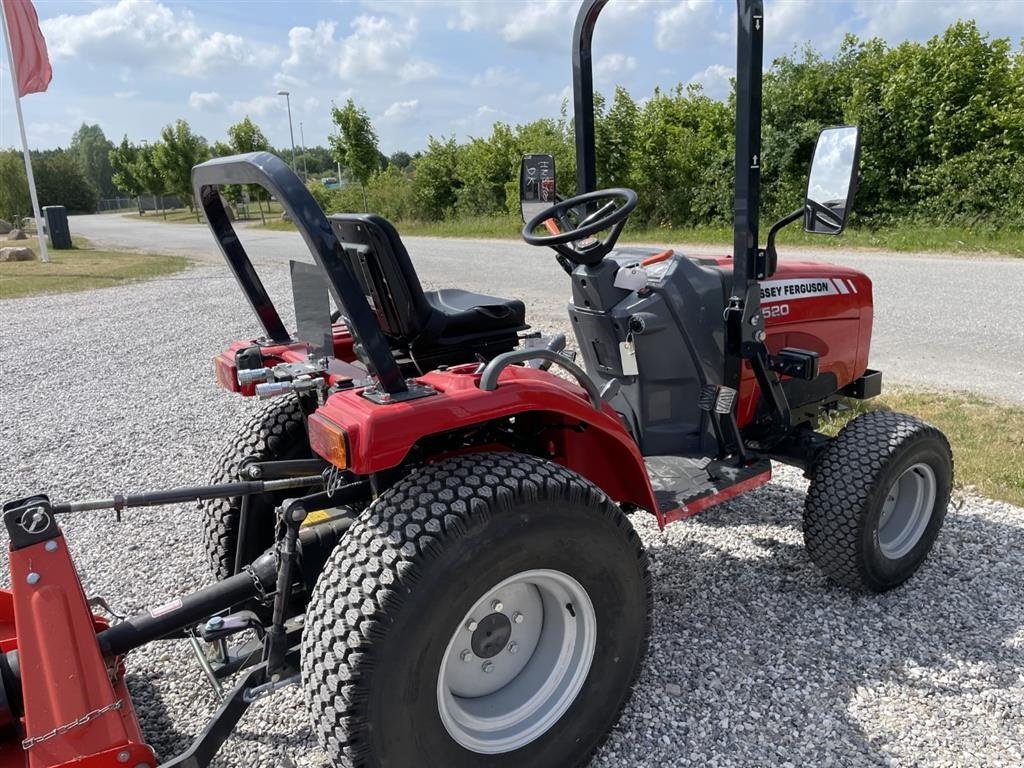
(62, 729)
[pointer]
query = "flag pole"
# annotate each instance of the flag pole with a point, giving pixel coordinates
(43, 254)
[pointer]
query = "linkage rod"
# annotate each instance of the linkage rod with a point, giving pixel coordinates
(190, 493)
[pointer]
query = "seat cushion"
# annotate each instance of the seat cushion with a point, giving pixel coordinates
(472, 314)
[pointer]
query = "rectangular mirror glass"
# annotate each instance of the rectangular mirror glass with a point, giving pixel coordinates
(536, 184)
(832, 181)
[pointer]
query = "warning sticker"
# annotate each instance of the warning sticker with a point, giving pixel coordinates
(802, 288)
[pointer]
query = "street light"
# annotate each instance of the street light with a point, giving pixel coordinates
(302, 138)
(288, 101)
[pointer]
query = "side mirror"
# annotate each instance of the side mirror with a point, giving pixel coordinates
(536, 184)
(832, 181)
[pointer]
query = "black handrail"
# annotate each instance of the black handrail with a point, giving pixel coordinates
(271, 173)
(493, 369)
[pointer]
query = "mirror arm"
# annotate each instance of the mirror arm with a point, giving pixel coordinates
(773, 256)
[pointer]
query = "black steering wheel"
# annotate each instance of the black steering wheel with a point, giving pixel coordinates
(573, 239)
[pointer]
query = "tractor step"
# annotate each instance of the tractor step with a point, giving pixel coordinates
(684, 486)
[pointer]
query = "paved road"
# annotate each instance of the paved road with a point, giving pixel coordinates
(940, 322)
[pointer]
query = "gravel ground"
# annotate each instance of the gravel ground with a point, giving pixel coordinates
(754, 660)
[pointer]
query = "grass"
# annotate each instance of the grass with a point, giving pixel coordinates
(186, 216)
(80, 269)
(987, 438)
(908, 238)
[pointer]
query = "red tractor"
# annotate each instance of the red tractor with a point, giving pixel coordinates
(426, 528)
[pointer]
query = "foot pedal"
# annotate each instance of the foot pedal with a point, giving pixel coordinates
(716, 399)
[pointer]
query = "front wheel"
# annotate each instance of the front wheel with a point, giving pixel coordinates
(877, 499)
(489, 610)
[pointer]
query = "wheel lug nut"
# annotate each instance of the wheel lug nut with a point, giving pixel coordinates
(488, 667)
(497, 606)
(466, 655)
(517, 617)
(471, 625)
(513, 648)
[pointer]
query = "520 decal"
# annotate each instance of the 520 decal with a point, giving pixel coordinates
(775, 310)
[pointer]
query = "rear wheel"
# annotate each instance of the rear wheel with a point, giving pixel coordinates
(276, 431)
(488, 610)
(877, 500)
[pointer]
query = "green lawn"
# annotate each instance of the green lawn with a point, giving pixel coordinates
(186, 216)
(917, 237)
(987, 438)
(80, 269)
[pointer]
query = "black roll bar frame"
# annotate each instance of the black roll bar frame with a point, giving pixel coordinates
(271, 173)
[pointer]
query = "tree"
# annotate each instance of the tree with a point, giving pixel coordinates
(14, 199)
(400, 160)
(123, 158)
(60, 181)
(437, 182)
(91, 148)
(246, 136)
(174, 156)
(355, 143)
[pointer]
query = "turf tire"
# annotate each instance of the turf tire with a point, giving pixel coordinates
(276, 431)
(412, 565)
(849, 486)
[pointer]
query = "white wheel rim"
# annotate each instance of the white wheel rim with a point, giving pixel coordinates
(516, 661)
(906, 511)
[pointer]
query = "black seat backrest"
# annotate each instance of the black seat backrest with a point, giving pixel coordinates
(385, 273)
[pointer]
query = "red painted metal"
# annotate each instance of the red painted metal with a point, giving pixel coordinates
(381, 436)
(705, 502)
(836, 325)
(63, 673)
(227, 373)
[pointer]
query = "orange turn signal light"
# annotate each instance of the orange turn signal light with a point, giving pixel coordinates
(227, 374)
(328, 440)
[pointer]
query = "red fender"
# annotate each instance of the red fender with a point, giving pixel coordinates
(379, 437)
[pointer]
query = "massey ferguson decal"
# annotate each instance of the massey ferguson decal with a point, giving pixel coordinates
(804, 288)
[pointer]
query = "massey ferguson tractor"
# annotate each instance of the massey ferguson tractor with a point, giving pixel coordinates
(425, 527)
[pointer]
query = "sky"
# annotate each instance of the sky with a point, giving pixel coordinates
(419, 67)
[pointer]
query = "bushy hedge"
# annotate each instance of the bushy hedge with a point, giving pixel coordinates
(942, 135)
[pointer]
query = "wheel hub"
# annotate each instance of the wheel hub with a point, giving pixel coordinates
(906, 511)
(508, 676)
(492, 635)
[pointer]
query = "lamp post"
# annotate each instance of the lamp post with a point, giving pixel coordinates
(302, 138)
(288, 101)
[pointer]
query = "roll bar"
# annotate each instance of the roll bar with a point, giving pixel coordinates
(271, 173)
(744, 321)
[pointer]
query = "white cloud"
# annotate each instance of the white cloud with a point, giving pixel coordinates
(536, 24)
(380, 46)
(898, 20)
(123, 95)
(400, 111)
(612, 66)
(692, 24)
(144, 33)
(209, 101)
(257, 106)
(715, 80)
(310, 104)
(308, 46)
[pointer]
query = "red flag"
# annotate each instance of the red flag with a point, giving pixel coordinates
(31, 61)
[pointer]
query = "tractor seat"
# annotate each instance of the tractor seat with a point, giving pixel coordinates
(427, 328)
(468, 313)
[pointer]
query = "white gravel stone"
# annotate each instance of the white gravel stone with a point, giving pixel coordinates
(755, 659)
